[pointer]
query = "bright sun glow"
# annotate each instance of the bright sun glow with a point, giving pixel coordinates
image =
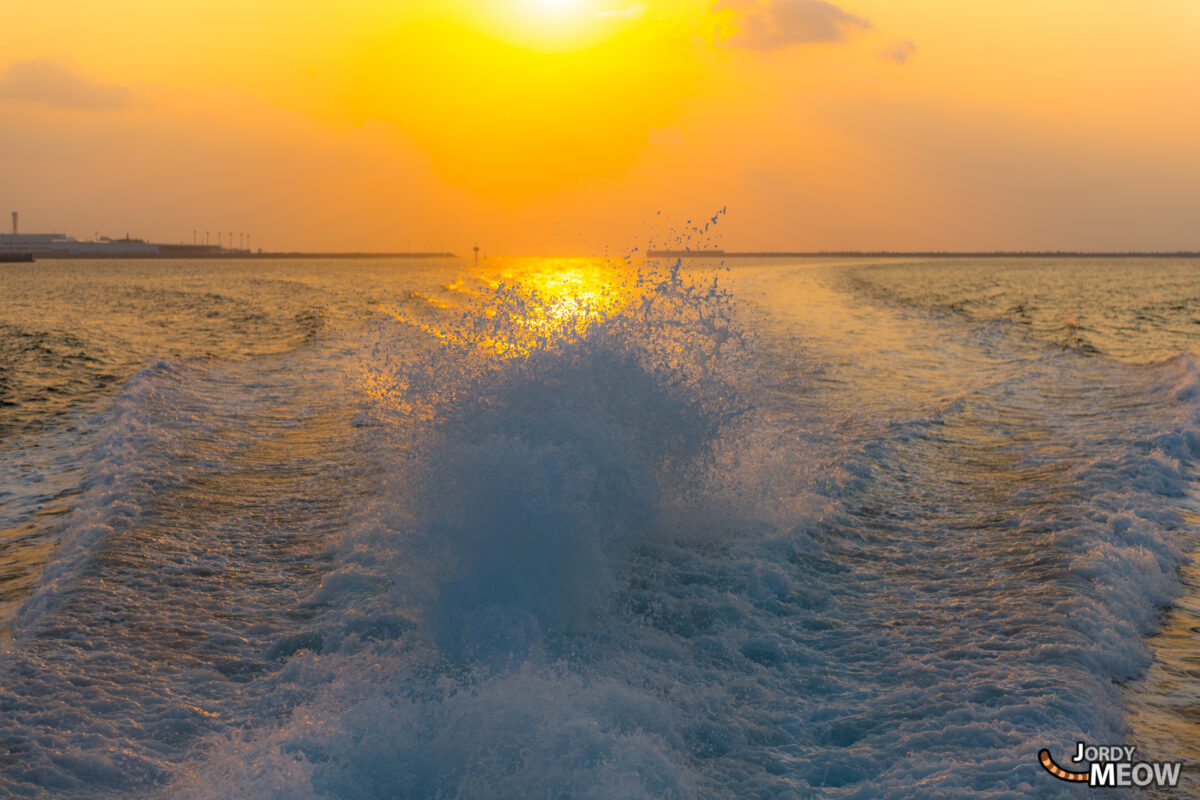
(547, 26)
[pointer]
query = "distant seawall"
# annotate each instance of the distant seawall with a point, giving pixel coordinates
(916, 254)
(230, 255)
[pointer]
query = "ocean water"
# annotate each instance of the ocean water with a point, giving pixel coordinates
(595, 528)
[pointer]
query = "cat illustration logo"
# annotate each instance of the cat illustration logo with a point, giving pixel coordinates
(1112, 766)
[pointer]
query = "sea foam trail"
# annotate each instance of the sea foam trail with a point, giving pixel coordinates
(558, 530)
(176, 573)
(591, 570)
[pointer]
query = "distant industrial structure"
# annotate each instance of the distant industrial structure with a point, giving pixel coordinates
(59, 245)
(17, 246)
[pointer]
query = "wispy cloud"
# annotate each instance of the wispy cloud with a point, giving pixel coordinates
(774, 24)
(57, 85)
(635, 11)
(900, 52)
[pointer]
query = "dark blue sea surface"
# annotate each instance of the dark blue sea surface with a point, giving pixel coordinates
(595, 528)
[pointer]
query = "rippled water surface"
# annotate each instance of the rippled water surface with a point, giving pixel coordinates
(594, 528)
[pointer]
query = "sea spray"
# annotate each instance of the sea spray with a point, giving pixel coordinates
(522, 453)
(543, 441)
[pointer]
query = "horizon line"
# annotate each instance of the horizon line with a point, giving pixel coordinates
(649, 254)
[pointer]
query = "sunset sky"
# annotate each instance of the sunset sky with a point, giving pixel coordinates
(567, 126)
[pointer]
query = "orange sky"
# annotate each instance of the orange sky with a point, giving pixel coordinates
(567, 126)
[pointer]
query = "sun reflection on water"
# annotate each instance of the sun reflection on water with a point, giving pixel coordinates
(533, 303)
(509, 309)
(570, 291)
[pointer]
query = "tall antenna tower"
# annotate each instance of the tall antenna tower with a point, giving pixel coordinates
(14, 223)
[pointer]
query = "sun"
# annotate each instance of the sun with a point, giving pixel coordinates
(557, 6)
(547, 25)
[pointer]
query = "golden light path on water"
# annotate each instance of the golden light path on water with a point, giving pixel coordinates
(559, 298)
(511, 308)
